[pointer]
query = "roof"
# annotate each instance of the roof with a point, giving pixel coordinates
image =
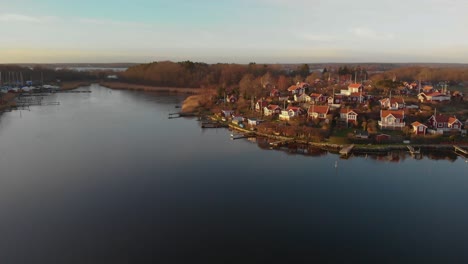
(452, 120)
(273, 107)
(294, 108)
(320, 109)
(315, 95)
(395, 113)
(346, 111)
(416, 124)
(356, 94)
(355, 85)
(293, 88)
(445, 119)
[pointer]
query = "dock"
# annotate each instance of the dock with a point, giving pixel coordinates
(460, 151)
(413, 151)
(279, 143)
(240, 136)
(212, 125)
(457, 148)
(346, 150)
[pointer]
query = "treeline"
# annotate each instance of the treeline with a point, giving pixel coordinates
(454, 75)
(38, 74)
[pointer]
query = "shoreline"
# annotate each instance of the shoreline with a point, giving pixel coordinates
(149, 88)
(359, 148)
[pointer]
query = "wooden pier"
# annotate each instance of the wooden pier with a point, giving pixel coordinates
(346, 150)
(460, 151)
(240, 136)
(413, 151)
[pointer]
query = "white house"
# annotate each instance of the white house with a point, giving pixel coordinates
(348, 115)
(392, 119)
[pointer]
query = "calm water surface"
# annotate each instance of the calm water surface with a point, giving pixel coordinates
(105, 177)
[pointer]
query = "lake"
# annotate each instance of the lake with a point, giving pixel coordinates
(106, 177)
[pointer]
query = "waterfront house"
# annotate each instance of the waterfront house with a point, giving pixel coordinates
(290, 112)
(392, 119)
(254, 121)
(302, 98)
(260, 105)
(348, 115)
(237, 119)
(317, 98)
(271, 110)
(392, 103)
(433, 97)
(444, 123)
(318, 111)
(418, 128)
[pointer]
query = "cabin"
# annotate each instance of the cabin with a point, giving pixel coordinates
(356, 97)
(382, 137)
(392, 103)
(348, 115)
(418, 128)
(392, 119)
(355, 88)
(317, 98)
(318, 111)
(237, 119)
(254, 121)
(290, 112)
(302, 98)
(433, 97)
(444, 123)
(337, 99)
(271, 110)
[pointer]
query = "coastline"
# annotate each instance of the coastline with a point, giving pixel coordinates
(149, 88)
(359, 148)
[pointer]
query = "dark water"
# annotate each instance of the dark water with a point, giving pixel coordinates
(107, 178)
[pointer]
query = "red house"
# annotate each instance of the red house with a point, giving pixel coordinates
(445, 123)
(418, 128)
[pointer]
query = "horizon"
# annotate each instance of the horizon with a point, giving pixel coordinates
(261, 31)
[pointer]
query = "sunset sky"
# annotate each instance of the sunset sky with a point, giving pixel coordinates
(241, 31)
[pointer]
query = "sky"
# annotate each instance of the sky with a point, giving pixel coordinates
(240, 31)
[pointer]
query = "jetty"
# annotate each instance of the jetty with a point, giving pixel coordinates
(240, 136)
(460, 151)
(413, 151)
(346, 150)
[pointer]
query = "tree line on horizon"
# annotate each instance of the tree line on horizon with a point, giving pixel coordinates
(250, 79)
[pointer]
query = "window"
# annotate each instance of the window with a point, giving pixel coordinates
(439, 125)
(421, 128)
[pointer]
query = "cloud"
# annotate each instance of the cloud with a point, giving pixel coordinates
(318, 37)
(368, 33)
(12, 17)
